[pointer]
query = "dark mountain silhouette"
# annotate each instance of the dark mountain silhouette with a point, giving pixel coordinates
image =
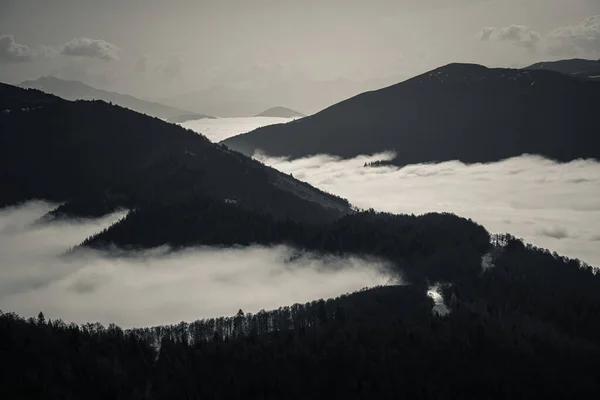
(280, 112)
(525, 328)
(436, 246)
(188, 117)
(456, 112)
(60, 150)
(75, 90)
(581, 68)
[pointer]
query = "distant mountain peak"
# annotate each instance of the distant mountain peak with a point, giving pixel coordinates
(280, 112)
(77, 90)
(50, 81)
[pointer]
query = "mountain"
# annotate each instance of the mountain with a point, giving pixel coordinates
(280, 112)
(457, 112)
(188, 117)
(510, 320)
(74, 152)
(75, 90)
(589, 69)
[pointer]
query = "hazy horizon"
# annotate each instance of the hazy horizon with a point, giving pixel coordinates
(195, 52)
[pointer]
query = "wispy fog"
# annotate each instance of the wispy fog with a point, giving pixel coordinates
(156, 286)
(556, 206)
(217, 129)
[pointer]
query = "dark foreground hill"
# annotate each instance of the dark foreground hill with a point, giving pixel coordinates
(75, 90)
(581, 68)
(456, 112)
(526, 328)
(90, 151)
(432, 246)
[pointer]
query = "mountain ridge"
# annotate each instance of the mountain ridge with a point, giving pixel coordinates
(441, 115)
(133, 159)
(578, 67)
(77, 90)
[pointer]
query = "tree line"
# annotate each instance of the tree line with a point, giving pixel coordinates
(526, 327)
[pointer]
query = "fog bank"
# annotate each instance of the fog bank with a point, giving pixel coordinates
(552, 205)
(156, 286)
(217, 129)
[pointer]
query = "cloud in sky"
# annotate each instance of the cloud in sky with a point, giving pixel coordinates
(12, 52)
(517, 34)
(572, 40)
(171, 69)
(157, 286)
(581, 39)
(91, 48)
(141, 65)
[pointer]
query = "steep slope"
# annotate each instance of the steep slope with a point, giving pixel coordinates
(280, 112)
(456, 112)
(581, 68)
(75, 90)
(59, 150)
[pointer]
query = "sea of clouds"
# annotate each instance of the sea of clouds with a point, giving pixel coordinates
(135, 289)
(549, 204)
(217, 129)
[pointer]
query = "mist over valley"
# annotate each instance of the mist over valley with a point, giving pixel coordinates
(227, 199)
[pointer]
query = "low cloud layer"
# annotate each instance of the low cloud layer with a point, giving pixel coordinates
(90, 48)
(222, 128)
(580, 39)
(551, 205)
(156, 286)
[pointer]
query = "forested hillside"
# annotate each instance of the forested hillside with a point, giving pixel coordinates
(439, 246)
(75, 151)
(524, 328)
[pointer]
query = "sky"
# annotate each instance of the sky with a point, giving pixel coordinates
(160, 49)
